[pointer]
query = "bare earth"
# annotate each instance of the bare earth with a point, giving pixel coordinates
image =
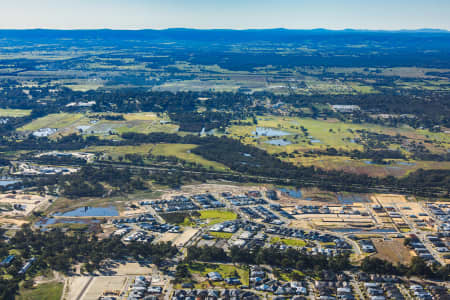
(393, 251)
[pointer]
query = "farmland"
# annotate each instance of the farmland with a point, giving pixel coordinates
(91, 123)
(327, 133)
(14, 112)
(331, 133)
(293, 164)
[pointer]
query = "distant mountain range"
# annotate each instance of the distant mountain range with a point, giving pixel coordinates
(277, 34)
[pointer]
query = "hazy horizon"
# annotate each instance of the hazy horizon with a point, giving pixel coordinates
(233, 14)
(232, 29)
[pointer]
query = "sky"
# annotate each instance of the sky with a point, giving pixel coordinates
(234, 14)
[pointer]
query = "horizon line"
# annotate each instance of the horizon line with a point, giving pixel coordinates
(231, 29)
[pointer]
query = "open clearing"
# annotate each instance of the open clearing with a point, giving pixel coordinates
(342, 135)
(101, 284)
(47, 291)
(178, 239)
(217, 216)
(15, 113)
(322, 134)
(223, 269)
(389, 199)
(130, 268)
(344, 163)
(181, 151)
(393, 251)
(288, 242)
(28, 203)
(74, 286)
(94, 123)
(221, 235)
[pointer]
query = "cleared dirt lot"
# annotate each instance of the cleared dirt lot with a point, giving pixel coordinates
(28, 203)
(74, 286)
(104, 283)
(393, 251)
(178, 239)
(12, 221)
(214, 189)
(389, 199)
(130, 268)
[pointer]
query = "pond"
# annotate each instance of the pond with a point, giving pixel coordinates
(88, 211)
(278, 142)
(404, 163)
(315, 141)
(8, 181)
(291, 192)
(265, 131)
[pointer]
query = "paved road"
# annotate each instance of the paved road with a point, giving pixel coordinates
(422, 237)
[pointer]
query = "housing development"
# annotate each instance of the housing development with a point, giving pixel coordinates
(221, 164)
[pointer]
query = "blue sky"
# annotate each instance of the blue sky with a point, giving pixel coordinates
(239, 14)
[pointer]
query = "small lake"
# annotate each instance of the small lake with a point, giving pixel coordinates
(404, 163)
(8, 181)
(278, 142)
(88, 211)
(265, 131)
(291, 192)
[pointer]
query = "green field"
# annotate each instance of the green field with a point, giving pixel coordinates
(14, 113)
(342, 136)
(288, 276)
(116, 151)
(47, 291)
(223, 269)
(221, 235)
(68, 123)
(59, 121)
(182, 151)
(330, 133)
(398, 168)
(288, 242)
(363, 89)
(217, 216)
